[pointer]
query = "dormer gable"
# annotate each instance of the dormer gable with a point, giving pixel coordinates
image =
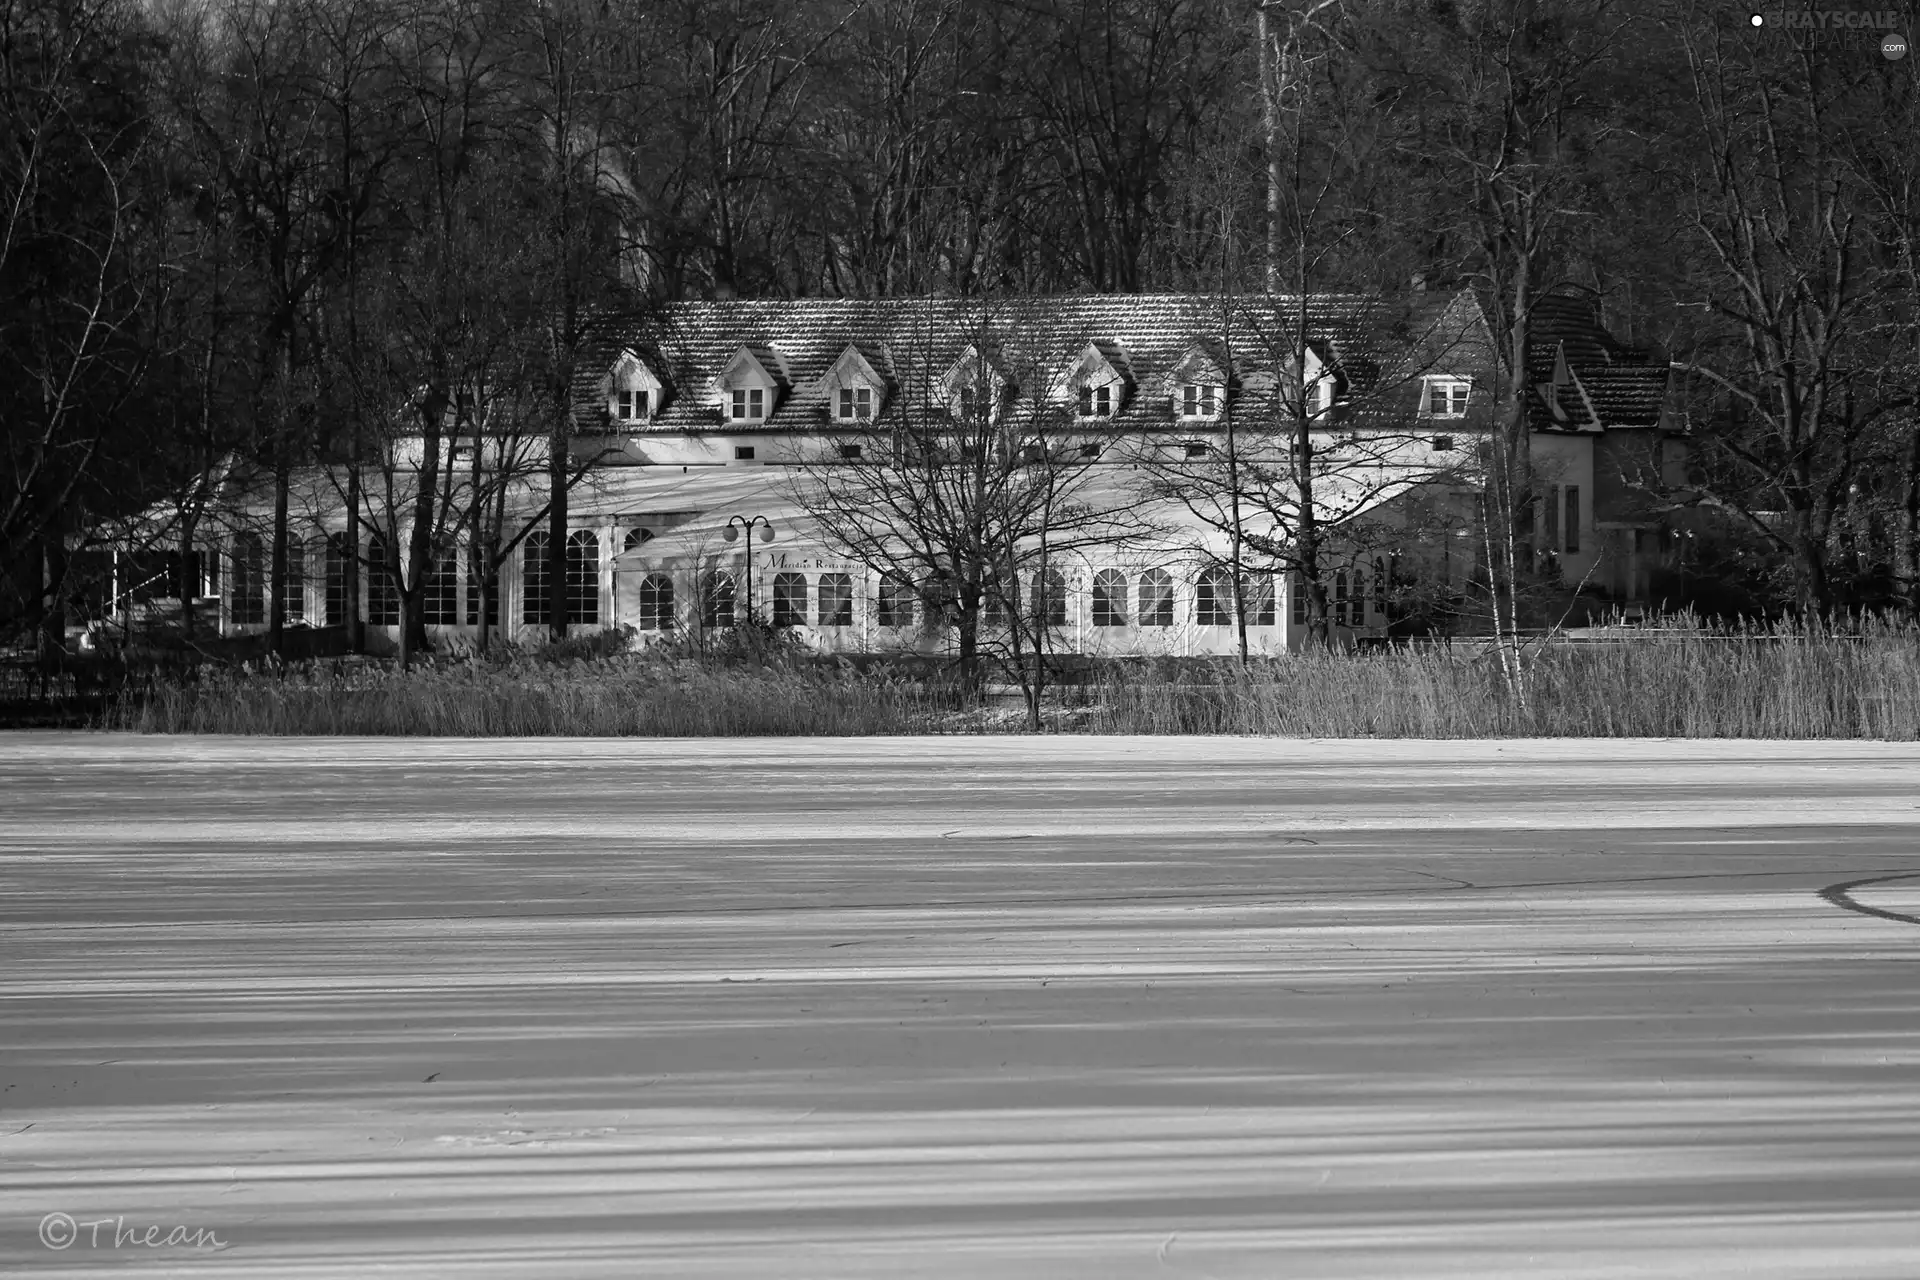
(1197, 384)
(1319, 381)
(974, 383)
(1097, 383)
(634, 392)
(748, 386)
(852, 389)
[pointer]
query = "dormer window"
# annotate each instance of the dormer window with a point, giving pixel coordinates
(856, 404)
(1446, 397)
(630, 406)
(967, 403)
(1097, 402)
(1201, 399)
(748, 404)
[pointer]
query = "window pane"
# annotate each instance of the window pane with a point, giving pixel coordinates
(1156, 598)
(441, 602)
(383, 593)
(716, 599)
(656, 602)
(1213, 599)
(836, 600)
(339, 552)
(533, 579)
(247, 601)
(1109, 598)
(846, 402)
(1050, 598)
(1260, 601)
(293, 604)
(789, 599)
(894, 608)
(482, 580)
(583, 577)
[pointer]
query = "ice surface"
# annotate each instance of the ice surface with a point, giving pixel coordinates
(962, 1007)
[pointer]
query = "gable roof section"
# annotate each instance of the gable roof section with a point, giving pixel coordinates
(912, 342)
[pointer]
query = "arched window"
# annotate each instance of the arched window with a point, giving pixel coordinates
(583, 576)
(383, 592)
(293, 604)
(483, 578)
(339, 556)
(789, 599)
(1260, 600)
(1213, 598)
(1109, 598)
(836, 600)
(656, 602)
(716, 599)
(247, 600)
(533, 578)
(1340, 598)
(1050, 598)
(440, 602)
(636, 538)
(1156, 598)
(894, 605)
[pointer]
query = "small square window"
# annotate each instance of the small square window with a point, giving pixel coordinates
(1033, 453)
(749, 403)
(1097, 402)
(851, 452)
(856, 403)
(1195, 449)
(1089, 450)
(1442, 444)
(968, 403)
(630, 406)
(1200, 400)
(743, 453)
(1447, 397)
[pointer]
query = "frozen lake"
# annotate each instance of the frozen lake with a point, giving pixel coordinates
(1006, 1007)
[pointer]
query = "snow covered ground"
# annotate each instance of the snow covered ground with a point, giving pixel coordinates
(959, 1007)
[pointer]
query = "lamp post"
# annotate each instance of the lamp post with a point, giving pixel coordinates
(739, 526)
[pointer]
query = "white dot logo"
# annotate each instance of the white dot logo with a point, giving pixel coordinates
(1893, 48)
(1758, 20)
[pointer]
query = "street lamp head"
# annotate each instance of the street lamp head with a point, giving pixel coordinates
(766, 531)
(730, 534)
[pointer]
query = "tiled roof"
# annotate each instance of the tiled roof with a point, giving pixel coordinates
(1626, 395)
(911, 342)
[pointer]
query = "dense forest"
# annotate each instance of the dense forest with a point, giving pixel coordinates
(252, 228)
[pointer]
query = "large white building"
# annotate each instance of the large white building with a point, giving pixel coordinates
(694, 419)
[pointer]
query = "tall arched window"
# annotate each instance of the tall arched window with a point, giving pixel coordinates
(483, 578)
(1050, 598)
(997, 592)
(583, 576)
(533, 578)
(656, 602)
(440, 603)
(247, 599)
(1340, 598)
(716, 599)
(1213, 598)
(383, 592)
(1109, 598)
(836, 600)
(339, 556)
(1156, 598)
(894, 606)
(789, 599)
(1260, 600)
(636, 538)
(293, 604)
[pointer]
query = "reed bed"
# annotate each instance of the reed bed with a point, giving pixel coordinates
(606, 697)
(1784, 682)
(1780, 683)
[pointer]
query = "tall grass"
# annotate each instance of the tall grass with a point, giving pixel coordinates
(1779, 683)
(605, 697)
(1805, 682)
